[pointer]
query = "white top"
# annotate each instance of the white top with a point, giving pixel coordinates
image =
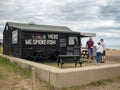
(99, 48)
(103, 45)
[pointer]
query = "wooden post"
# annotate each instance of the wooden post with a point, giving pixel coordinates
(33, 78)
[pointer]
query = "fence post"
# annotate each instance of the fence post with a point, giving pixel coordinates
(33, 78)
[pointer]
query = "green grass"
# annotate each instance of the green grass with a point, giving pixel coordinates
(13, 67)
(46, 85)
(1, 49)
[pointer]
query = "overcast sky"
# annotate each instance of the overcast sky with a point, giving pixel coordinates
(99, 16)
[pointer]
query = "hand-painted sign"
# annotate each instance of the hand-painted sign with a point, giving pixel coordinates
(49, 39)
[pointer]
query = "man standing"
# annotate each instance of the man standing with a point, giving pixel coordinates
(89, 46)
(104, 53)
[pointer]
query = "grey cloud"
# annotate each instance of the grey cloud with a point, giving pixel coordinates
(111, 11)
(62, 11)
(79, 11)
(1, 30)
(107, 28)
(17, 9)
(72, 13)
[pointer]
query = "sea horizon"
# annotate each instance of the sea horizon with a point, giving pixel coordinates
(116, 47)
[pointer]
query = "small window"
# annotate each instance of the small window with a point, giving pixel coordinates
(72, 40)
(7, 27)
(15, 37)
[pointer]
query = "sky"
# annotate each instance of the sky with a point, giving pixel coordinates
(92, 16)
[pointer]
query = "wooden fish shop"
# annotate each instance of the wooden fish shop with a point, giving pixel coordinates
(25, 40)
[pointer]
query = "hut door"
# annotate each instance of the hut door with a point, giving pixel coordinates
(73, 46)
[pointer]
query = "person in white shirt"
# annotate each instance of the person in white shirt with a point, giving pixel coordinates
(99, 52)
(104, 52)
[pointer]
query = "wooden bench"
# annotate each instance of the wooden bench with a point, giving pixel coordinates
(37, 55)
(67, 58)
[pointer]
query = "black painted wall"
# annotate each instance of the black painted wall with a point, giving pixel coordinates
(47, 42)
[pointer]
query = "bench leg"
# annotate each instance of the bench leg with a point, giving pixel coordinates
(80, 63)
(61, 65)
(58, 63)
(61, 61)
(76, 61)
(75, 64)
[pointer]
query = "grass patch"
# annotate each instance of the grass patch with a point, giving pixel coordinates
(13, 67)
(98, 83)
(46, 85)
(1, 49)
(20, 74)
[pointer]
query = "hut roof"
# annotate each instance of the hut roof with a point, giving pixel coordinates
(40, 28)
(46, 28)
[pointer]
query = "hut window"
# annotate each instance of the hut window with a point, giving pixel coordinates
(15, 37)
(72, 40)
(7, 27)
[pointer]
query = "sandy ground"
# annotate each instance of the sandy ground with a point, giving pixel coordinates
(113, 55)
(109, 86)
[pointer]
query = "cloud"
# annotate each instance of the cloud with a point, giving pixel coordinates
(115, 31)
(59, 12)
(110, 34)
(1, 35)
(99, 16)
(111, 11)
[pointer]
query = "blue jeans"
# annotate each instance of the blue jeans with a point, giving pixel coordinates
(98, 57)
(90, 51)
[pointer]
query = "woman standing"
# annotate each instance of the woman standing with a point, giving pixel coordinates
(99, 52)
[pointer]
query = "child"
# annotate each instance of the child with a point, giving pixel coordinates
(99, 52)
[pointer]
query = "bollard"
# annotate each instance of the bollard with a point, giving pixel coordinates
(33, 78)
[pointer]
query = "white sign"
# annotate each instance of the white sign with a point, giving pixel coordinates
(38, 39)
(40, 42)
(15, 37)
(52, 36)
(71, 40)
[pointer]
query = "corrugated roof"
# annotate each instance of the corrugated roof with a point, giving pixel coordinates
(83, 34)
(47, 28)
(40, 28)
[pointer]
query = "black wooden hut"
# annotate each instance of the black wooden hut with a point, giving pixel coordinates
(20, 40)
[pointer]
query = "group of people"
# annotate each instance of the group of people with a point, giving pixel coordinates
(99, 49)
